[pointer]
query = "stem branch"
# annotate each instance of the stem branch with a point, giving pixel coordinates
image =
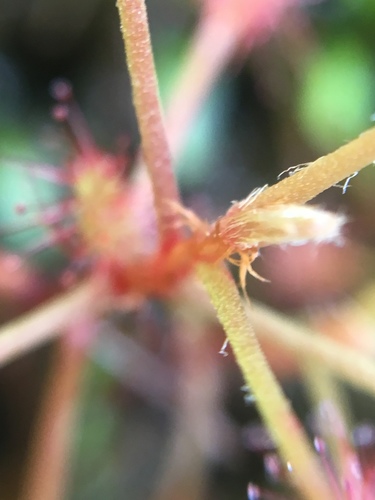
(46, 322)
(135, 32)
(303, 343)
(283, 426)
(321, 174)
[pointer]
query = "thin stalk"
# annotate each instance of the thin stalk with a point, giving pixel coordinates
(203, 65)
(47, 467)
(184, 472)
(321, 174)
(224, 29)
(281, 422)
(331, 414)
(136, 36)
(45, 322)
(197, 77)
(333, 417)
(301, 341)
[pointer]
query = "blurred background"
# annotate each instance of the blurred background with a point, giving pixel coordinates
(162, 414)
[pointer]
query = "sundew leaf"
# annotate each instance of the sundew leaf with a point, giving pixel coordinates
(336, 98)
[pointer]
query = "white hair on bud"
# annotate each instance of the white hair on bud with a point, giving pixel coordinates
(303, 223)
(245, 227)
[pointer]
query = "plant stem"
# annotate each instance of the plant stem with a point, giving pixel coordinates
(46, 322)
(184, 472)
(322, 173)
(197, 77)
(302, 341)
(274, 407)
(50, 448)
(331, 414)
(135, 32)
(225, 27)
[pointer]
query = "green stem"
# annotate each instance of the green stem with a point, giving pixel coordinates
(135, 32)
(282, 424)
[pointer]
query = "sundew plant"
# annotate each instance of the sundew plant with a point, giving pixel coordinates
(139, 243)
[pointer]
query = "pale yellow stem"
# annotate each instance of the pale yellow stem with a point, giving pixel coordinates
(46, 322)
(302, 342)
(321, 174)
(275, 409)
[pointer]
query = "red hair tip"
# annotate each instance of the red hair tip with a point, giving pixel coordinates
(61, 90)
(60, 112)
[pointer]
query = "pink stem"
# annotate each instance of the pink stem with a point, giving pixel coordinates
(50, 448)
(211, 48)
(134, 28)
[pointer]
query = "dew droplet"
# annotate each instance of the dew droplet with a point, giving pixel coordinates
(319, 445)
(272, 466)
(364, 435)
(253, 492)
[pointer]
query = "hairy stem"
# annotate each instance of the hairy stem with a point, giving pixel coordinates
(135, 32)
(322, 173)
(274, 407)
